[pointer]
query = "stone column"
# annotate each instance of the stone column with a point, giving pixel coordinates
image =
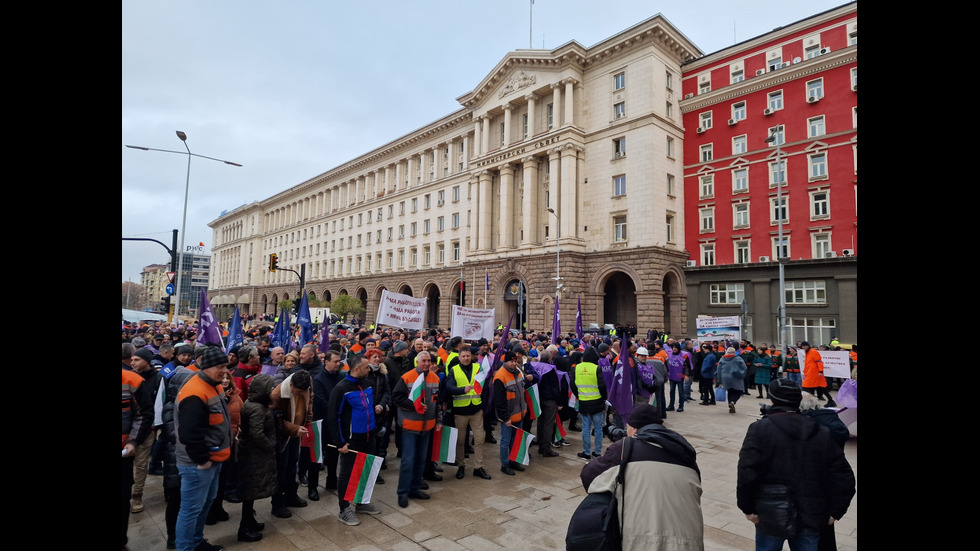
(530, 222)
(556, 105)
(506, 206)
(399, 176)
(389, 174)
(569, 101)
(531, 103)
(484, 209)
(508, 109)
(424, 166)
(477, 136)
(411, 164)
(466, 151)
(569, 190)
(485, 135)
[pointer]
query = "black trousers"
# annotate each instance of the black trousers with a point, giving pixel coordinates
(546, 424)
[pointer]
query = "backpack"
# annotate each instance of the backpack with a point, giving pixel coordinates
(594, 525)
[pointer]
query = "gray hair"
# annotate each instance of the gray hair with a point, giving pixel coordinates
(809, 403)
(245, 353)
(127, 350)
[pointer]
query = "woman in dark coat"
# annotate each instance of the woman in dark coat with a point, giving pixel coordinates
(256, 455)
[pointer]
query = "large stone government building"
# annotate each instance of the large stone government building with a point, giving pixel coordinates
(575, 149)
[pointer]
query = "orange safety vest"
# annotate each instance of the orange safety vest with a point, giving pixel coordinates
(130, 408)
(218, 436)
(411, 419)
(515, 393)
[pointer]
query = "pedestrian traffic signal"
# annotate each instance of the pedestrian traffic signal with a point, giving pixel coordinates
(273, 262)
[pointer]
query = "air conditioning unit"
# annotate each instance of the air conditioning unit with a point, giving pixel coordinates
(620, 154)
(812, 99)
(767, 112)
(440, 203)
(824, 51)
(731, 122)
(688, 96)
(700, 130)
(763, 259)
(855, 87)
(760, 72)
(782, 65)
(692, 263)
(831, 254)
(797, 60)
(620, 115)
(847, 252)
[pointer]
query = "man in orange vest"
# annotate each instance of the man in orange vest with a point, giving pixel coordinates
(203, 428)
(510, 406)
(417, 407)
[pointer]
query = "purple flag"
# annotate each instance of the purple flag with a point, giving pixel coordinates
(556, 324)
(498, 355)
(578, 320)
(209, 333)
(324, 337)
(621, 392)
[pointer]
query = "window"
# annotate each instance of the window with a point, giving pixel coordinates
(810, 329)
(455, 220)
(670, 147)
(821, 245)
(727, 293)
(391, 260)
(391, 211)
(852, 39)
(378, 240)
(551, 115)
(442, 197)
(814, 89)
(738, 76)
(780, 134)
(379, 214)
(704, 87)
(705, 119)
(740, 180)
(359, 239)
(619, 110)
(401, 258)
(524, 125)
(706, 152)
(401, 231)
(670, 184)
(816, 126)
(619, 81)
(425, 226)
(455, 251)
(740, 215)
(708, 219)
(377, 262)
(776, 100)
(777, 173)
(360, 218)
(670, 228)
(441, 256)
(670, 110)
(502, 133)
(780, 250)
(854, 78)
(391, 232)
(619, 148)
(619, 222)
(819, 205)
(415, 204)
(779, 211)
(619, 185)
(427, 201)
(669, 80)
(427, 256)
(455, 194)
(415, 227)
(707, 187)
(739, 145)
(742, 252)
(708, 254)
(441, 223)
(415, 257)
(806, 292)
(738, 111)
(811, 52)
(401, 208)
(775, 63)
(818, 166)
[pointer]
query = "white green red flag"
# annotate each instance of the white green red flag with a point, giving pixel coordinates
(519, 450)
(444, 444)
(533, 401)
(572, 401)
(479, 379)
(417, 394)
(316, 443)
(360, 485)
(559, 430)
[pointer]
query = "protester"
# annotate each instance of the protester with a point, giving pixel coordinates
(731, 370)
(256, 455)
(417, 417)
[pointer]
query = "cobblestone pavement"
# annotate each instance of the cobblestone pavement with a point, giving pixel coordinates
(529, 511)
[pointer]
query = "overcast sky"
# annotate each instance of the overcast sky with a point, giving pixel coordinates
(290, 90)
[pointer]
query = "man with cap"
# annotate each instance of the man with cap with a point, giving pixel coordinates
(510, 407)
(203, 428)
(791, 453)
(661, 509)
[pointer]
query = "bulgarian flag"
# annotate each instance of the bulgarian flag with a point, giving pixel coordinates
(519, 449)
(559, 430)
(572, 400)
(533, 401)
(444, 444)
(360, 485)
(417, 394)
(307, 441)
(316, 445)
(479, 379)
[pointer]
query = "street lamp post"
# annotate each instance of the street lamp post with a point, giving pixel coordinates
(187, 187)
(780, 247)
(558, 284)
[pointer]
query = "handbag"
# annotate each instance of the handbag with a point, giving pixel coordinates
(777, 511)
(721, 394)
(594, 525)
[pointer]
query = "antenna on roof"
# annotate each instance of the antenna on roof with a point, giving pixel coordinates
(530, 25)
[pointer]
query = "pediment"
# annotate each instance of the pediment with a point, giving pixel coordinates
(816, 146)
(739, 161)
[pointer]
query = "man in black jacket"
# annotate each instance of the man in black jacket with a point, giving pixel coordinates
(323, 385)
(787, 450)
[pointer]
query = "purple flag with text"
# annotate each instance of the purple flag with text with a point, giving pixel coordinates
(621, 391)
(556, 324)
(209, 332)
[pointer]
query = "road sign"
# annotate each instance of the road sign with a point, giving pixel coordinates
(170, 289)
(170, 276)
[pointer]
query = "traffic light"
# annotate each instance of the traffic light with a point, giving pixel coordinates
(273, 262)
(296, 302)
(165, 304)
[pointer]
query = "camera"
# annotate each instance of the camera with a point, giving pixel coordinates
(614, 433)
(764, 408)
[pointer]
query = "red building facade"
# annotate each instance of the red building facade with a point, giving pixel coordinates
(797, 85)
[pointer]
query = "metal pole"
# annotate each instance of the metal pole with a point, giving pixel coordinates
(773, 137)
(183, 224)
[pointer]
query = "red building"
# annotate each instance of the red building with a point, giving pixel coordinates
(798, 85)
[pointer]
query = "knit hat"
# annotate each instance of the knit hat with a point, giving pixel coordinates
(786, 393)
(139, 342)
(645, 415)
(185, 350)
(399, 346)
(145, 354)
(213, 357)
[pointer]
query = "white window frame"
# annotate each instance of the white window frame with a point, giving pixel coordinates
(704, 87)
(619, 147)
(818, 165)
(811, 52)
(726, 293)
(455, 249)
(740, 145)
(739, 111)
(620, 228)
(619, 185)
(550, 111)
(821, 244)
(742, 251)
(706, 186)
(775, 247)
(619, 110)
(705, 120)
(707, 217)
(820, 204)
(670, 147)
(774, 63)
(777, 172)
(814, 88)
(707, 254)
(806, 292)
(737, 76)
(816, 126)
(775, 100)
(455, 220)
(670, 227)
(740, 215)
(619, 81)
(706, 152)
(740, 180)
(774, 208)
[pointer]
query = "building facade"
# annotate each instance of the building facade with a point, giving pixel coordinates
(563, 163)
(797, 85)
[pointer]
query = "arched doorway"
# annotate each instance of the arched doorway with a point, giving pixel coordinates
(432, 306)
(405, 290)
(515, 304)
(619, 305)
(326, 295)
(459, 294)
(670, 287)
